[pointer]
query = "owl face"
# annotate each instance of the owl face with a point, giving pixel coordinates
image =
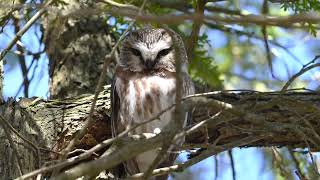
(148, 50)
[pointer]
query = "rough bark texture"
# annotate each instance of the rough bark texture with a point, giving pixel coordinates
(51, 124)
(19, 119)
(290, 119)
(48, 125)
(76, 47)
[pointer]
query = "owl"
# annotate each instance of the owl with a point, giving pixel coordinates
(144, 84)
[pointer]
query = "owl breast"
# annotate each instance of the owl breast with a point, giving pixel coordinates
(142, 97)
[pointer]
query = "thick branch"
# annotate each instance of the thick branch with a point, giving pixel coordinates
(290, 119)
(281, 21)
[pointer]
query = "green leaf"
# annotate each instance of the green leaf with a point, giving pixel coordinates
(203, 70)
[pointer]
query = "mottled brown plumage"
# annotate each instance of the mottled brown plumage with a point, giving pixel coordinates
(144, 84)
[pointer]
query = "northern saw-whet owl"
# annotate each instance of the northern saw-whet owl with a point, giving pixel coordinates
(144, 84)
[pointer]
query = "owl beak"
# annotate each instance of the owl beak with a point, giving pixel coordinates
(149, 64)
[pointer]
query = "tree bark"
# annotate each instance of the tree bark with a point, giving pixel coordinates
(76, 47)
(48, 125)
(283, 120)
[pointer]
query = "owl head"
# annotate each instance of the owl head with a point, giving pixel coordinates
(147, 50)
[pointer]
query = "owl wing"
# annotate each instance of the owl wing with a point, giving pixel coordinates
(130, 166)
(188, 90)
(115, 106)
(118, 171)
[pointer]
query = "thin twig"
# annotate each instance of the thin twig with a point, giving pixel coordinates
(212, 150)
(232, 164)
(216, 167)
(251, 35)
(298, 171)
(22, 60)
(25, 29)
(304, 69)
(192, 41)
(25, 77)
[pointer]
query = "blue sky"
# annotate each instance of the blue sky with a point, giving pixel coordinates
(13, 76)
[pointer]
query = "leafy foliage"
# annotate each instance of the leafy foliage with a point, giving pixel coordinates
(202, 68)
(303, 6)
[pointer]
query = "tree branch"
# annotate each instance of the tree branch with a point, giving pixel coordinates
(22, 61)
(212, 150)
(192, 41)
(304, 69)
(281, 21)
(242, 114)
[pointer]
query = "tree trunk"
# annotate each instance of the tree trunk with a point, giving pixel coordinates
(76, 47)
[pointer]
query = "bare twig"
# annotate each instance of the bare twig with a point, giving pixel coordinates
(192, 41)
(120, 152)
(22, 60)
(264, 31)
(298, 171)
(216, 168)
(119, 5)
(212, 150)
(25, 79)
(301, 177)
(24, 29)
(304, 69)
(232, 164)
(278, 162)
(251, 35)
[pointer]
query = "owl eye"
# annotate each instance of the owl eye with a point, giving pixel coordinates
(136, 52)
(163, 52)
